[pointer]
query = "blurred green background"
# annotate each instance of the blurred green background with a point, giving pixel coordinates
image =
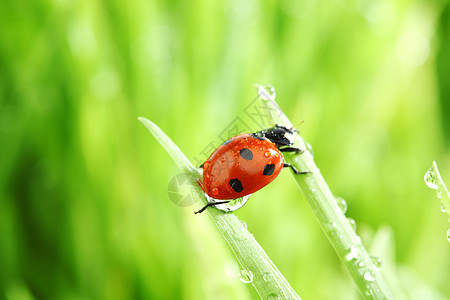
(84, 211)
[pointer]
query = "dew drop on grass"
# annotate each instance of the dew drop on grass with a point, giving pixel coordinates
(448, 235)
(342, 204)
(369, 276)
(267, 276)
(430, 179)
(233, 205)
(368, 292)
(352, 223)
(266, 92)
(376, 262)
(309, 147)
(352, 254)
(273, 297)
(331, 226)
(246, 276)
(245, 224)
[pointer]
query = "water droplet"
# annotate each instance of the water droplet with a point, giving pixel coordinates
(267, 154)
(245, 224)
(376, 261)
(214, 191)
(342, 204)
(430, 179)
(267, 276)
(368, 292)
(309, 147)
(266, 92)
(448, 235)
(331, 225)
(352, 254)
(443, 209)
(352, 223)
(273, 297)
(439, 194)
(369, 276)
(233, 205)
(246, 276)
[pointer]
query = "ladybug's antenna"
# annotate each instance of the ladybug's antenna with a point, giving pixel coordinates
(210, 204)
(297, 125)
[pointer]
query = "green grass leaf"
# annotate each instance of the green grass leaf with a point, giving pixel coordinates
(257, 267)
(336, 226)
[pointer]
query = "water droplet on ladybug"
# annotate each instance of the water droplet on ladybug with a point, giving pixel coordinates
(267, 154)
(237, 165)
(206, 164)
(222, 159)
(214, 191)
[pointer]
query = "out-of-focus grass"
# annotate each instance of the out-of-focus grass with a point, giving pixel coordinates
(83, 206)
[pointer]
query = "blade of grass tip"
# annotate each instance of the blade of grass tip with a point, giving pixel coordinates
(178, 157)
(257, 267)
(434, 181)
(336, 226)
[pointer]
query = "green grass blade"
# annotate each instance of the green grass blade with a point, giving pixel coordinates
(256, 265)
(336, 226)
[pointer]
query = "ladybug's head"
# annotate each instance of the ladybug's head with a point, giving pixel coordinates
(279, 135)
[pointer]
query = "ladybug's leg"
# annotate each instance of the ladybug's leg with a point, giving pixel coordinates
(291, 149)
(210, 204)
(286, 165)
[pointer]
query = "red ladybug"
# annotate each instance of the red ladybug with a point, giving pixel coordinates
(246, 163)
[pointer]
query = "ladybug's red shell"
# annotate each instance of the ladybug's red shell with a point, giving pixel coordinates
(241, 166)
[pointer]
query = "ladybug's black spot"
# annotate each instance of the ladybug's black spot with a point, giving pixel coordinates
(246, 154)
(226, 142)
(236, 185)
(268, 169)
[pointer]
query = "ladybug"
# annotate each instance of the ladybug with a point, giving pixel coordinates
(246, 163)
